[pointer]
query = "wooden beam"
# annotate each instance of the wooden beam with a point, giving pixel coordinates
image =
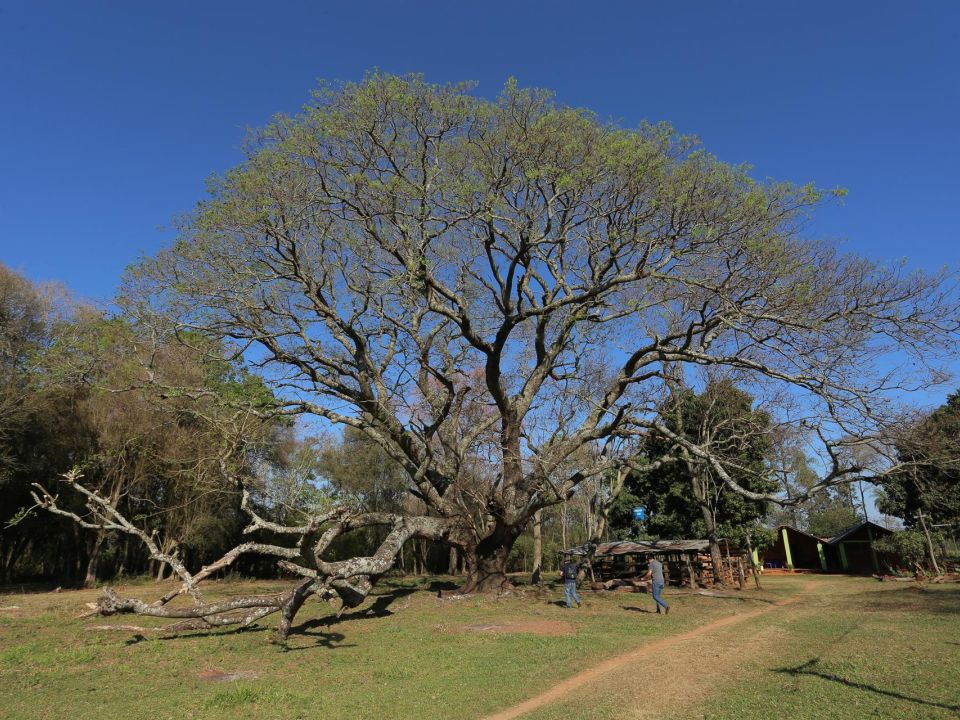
(786, 547)
(823, 557)
(873, 553)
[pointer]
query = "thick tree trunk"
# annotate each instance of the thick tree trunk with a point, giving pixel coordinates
(537, 547)
(563, 525)
(486, 563)
(699, 489)
(452, 563)
(716, 557)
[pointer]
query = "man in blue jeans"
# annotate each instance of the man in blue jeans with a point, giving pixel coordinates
(568, 571)
(655, 573)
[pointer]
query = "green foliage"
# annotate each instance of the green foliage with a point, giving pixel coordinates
(160, 427)
(361, 474)
(909, 545)
(825, 513)
(721, 417)
(832, 519)
(930, 479)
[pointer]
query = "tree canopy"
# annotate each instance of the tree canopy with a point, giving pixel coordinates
(502, 294)
(493, 290)
(929, 482)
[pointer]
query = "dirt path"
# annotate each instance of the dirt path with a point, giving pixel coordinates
(632, 658)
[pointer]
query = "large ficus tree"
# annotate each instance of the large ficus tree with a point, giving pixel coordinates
(493, 292)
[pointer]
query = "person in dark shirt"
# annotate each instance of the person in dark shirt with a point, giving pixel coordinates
(655, 574)
(568, 571)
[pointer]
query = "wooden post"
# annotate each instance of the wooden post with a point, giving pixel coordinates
(691, 573)
(786, 547)
(537, 578)
(823, 556)
(933, 558)
(873, 552)
(740, 575)
(754, 561)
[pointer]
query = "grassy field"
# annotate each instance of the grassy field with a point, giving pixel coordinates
(849, 648)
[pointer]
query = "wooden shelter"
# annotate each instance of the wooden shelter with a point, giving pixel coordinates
(685, 562)
(850, 551)
(795, 550)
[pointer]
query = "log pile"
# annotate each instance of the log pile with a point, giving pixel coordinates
(625, 585)
(685, 562)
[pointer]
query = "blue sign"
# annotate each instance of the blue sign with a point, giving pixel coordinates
(640, 513)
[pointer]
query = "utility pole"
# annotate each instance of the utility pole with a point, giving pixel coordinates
(933, 559)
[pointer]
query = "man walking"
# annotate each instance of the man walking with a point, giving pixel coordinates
(568, 571)
(655, 573)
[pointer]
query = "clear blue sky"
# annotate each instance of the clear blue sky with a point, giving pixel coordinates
(113, 114)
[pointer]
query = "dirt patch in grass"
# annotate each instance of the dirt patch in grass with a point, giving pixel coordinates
(551, 628)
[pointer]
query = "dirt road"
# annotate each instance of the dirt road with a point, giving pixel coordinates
(652, 666)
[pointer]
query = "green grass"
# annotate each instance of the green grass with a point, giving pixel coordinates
(867, 651)
(853, 648)
(421, 661)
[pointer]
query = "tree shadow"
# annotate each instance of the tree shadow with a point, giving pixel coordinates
(810, 668)
(941, 601)
(739, 598)
(442, 586)
(380, 607)
(212, 632)
(328, 640)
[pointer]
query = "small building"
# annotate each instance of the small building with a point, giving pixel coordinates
(794, 550)
(850, 551)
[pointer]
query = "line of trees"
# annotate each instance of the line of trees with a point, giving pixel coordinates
(80, 392)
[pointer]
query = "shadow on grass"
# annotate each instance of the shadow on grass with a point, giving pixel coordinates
(810, 668)
(443, 585)
(328, 640)
(561, 604)
(634, 608)
(380, 607)
(191, 635)
(738, 598)
(942, 601)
